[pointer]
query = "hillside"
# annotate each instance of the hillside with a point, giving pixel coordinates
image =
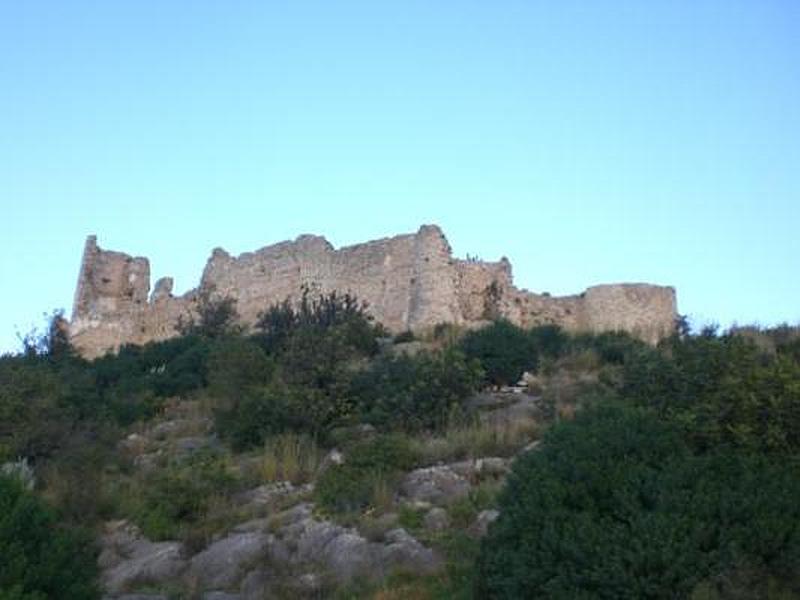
(314, 455)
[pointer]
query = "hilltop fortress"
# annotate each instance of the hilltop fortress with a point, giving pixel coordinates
(410, 282)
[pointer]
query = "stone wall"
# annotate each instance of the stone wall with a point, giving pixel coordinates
(409, 282)
(112, 308)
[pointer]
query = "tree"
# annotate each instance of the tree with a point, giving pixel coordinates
(54, 342)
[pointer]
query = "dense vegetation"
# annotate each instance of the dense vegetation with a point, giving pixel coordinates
(616, 505)
(665, 472)
(39, 559)
(681, 481)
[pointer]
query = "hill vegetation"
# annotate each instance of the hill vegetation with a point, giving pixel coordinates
(635, 471)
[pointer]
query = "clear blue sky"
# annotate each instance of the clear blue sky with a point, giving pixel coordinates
(588, 141)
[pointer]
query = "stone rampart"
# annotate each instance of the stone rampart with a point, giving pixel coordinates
(409, 282)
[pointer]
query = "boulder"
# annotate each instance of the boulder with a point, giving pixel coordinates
(268, 494)
(224, 563)
(481, 468)
(301, 540)
(437, 485)
(129, 560)
(481, 525)
(437, 519)
(333, 458)
(256, 585)
(404, 551)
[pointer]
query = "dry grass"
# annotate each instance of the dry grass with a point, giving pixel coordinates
(290, 457)
(382, 495)
(575, 381)
(408, 591)
(476, 439)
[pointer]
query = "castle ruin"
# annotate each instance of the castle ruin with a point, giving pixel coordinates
(410, 282)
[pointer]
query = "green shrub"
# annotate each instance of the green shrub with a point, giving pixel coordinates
(39, 559)
(247, 422)
(504, 351)
(415, 392)
(615, 505)
(290, 457)
(612, 347)
(368, 465)
(235, 366)
(279, 408)
(170, 500)
(132, 382)
(42, 402)
(216, 316)
(327, 312)
(550, 341)
(720, 390)
(404, 337)
(33, 422)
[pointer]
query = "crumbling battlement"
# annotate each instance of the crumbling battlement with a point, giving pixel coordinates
(409, 282)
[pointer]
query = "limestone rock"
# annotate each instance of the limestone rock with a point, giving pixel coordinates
(482, 522)
(256, 585)
(437, 485)
(225, 562)
(342, 553)
(270, 493)
(403, 550)
(480, 468)
(129, 560)
(437, 519)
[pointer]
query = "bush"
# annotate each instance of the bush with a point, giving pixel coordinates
(404, 337)
(369, 466)
(616, 506)
(720, 390)
(325, 313)
(39, 559)
(248, 420)
(415, 392)
(612, 347)
(549, 341)
(134, 383)
(216, 316)
(33, 421)
(290, 457)
(43, 401)
(170, 500)
(504, 351)
(235, 366)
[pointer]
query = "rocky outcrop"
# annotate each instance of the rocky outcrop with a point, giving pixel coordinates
(291, 550)
(409, 282)
(225, 562)
(434, 485)
(130, 561)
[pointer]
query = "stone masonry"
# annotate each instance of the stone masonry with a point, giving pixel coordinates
(408, 281)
